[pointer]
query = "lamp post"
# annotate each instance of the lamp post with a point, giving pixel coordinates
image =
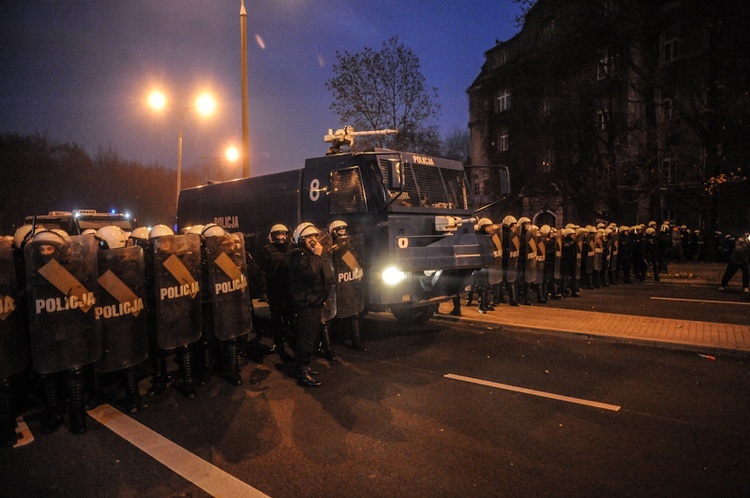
(204, 105)
(245, 119)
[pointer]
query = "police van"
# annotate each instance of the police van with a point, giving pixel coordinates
(75, 222)
(412, 210)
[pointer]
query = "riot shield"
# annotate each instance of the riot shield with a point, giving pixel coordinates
(580, 244)
(541, 258)
(228, 287)
(177, 294)
(14, 337)
(530, 262)
(330, 308)
(121, 308)
(350, 293)
(590, 249)
(61, 281)
(496, 269)
(511, 252)
(558, 240)
(598, 252)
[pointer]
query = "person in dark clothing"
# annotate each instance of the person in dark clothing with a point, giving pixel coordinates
(738, 259)
(651, 251)
(273, 261)
(625, 258)
(310, 281)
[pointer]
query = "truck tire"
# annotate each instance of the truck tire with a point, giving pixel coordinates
(414, 315)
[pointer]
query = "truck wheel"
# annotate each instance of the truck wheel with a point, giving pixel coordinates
(414, 315)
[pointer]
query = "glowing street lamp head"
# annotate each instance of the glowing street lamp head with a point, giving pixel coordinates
(205, 104)
(157, 100)
(232, 154)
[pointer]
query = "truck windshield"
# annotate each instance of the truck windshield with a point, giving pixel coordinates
(429, 186)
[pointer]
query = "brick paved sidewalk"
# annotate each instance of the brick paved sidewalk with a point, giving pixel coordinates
(699, 336)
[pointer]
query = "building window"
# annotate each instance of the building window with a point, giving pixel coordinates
(548, 30)
(548, 159)
(606, 65)
(546, 107)
(501, 58)
(347, 194)
(502, 101)
(602, 117)
(666, 110)
(670, 45)
(667, 170)
(502, 141)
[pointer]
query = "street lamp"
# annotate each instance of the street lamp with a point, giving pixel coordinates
(204, 105)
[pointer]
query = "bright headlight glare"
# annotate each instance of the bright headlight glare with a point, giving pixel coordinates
(392, 275)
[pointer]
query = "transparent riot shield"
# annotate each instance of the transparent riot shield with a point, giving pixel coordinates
(14, 337)
(496, 269)
(177, 293)
(121, 308)
(530, 261)
(61, 280)
(228, 287)
(347, 260)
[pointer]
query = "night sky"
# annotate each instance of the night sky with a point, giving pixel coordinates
(80, 71)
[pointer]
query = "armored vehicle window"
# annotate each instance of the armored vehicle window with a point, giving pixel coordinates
(430, 186)
(347, 194)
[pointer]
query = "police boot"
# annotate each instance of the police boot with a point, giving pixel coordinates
(499, 294)
(96, 393)
(76, 387)
(357, 343)
(159, 379)
(487, 300)
(325, 336)
(512, 299)
(305, 377)
(554, 291)
(187, 386)
(132, 392)
(482, 301)
(523, 296)
(8, 436)
(232, 362)
(541, 293)
(51, 416)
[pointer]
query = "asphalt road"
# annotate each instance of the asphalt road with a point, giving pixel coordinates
(563, 415)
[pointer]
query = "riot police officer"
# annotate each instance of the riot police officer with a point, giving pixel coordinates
(65, 335)
(511, 248)
(310, 280)
(273, 261)
(481, 276)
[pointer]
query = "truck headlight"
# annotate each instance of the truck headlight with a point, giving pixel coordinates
(393, 276)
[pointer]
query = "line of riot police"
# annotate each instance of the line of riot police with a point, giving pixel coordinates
(81, 312)
(550, 263)
(312, 283)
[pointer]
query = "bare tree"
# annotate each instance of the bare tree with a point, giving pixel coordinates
(386, 89)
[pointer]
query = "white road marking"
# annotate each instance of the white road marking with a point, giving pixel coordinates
(209, 478)
(542, 394)
(697, 300)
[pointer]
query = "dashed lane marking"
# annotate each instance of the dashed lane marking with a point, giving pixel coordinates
(685, 300)
(209, 478)
(541, 394)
